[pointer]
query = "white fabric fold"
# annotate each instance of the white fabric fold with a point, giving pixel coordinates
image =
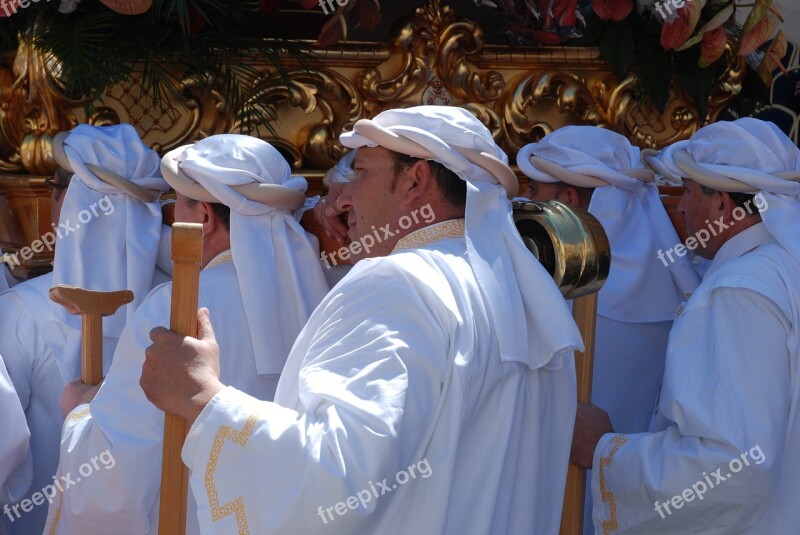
(342, 172)
(532, 320)
(277, 264)
(639, 288)
(108, 240)
(755, 154)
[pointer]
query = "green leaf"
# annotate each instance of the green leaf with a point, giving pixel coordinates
(617, 47)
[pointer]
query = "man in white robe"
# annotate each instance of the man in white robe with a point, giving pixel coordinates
(600, 171)
(261, 279)
(721, 451)
(432, 390)
(15, 461)
(107, 239)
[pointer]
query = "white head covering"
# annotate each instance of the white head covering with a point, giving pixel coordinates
(639, 288)
(748, 156)
(119, 251)
(277, 265)
(661, 163)
(342, 172)
(529, 314)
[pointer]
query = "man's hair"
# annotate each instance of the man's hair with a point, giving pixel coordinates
(452, 187)
(62, 178)
(585, 194)
(222, 211)
(741, 200)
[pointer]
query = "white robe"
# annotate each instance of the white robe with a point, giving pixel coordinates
(730, 394)
(125, 497)
(398, 367)
(15, 462)
(29, 343)
(7, 280)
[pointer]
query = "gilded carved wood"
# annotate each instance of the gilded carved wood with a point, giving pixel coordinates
(434, 58)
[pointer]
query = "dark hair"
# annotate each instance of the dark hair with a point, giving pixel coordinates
(741, 200)
(223, 212)
(61, 179)
(452, 187)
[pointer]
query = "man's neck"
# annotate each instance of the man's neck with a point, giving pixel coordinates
(212, 248)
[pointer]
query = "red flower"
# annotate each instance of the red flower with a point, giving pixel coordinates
(615, 10)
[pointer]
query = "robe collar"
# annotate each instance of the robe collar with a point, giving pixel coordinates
(222, 258)
(446, 230)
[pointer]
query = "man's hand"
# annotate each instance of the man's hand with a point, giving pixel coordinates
(591, 423)
(329, 214)
(180, 374)
(76, 393)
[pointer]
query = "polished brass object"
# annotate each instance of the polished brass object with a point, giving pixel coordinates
(520, 94)
(569, 242)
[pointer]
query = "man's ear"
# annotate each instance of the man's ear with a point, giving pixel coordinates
(417, 182)
(209, 218)
(726, 204)
(573, 195)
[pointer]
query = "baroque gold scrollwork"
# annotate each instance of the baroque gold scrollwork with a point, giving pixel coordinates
(462, 78)
(568, 93)
(330, 105)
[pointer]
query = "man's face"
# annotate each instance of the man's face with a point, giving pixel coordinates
(545, 191)
(698, 209)
(187, 211)
(369, 200)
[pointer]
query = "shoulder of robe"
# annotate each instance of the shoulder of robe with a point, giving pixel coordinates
(768, 270)
(402, 276)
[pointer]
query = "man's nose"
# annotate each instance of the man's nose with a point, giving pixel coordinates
(345, 199)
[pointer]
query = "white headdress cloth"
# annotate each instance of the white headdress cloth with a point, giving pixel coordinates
(639, 289)
(118, 251)
(748, 155)
(342, 172)
(277, 265)
(531, 318)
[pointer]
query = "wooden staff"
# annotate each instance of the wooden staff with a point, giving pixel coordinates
(91, 306)
(187, 254)
(584, 310)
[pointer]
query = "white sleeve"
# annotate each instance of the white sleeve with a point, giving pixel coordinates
(368, 393)
(726, 396)
(22, 350)
(111, 448)
(14, 444)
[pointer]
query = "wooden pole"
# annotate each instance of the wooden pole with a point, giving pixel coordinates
(584, 310)
(91, 306)
(187, 254)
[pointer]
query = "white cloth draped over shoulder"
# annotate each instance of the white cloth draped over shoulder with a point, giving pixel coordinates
(640, 288)
(396, 368)
(402, 366)
(720, 454)
(523, 302)
(252, 178)
(124, 499)
(110, 238)
(265, 246)
(15, 462)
